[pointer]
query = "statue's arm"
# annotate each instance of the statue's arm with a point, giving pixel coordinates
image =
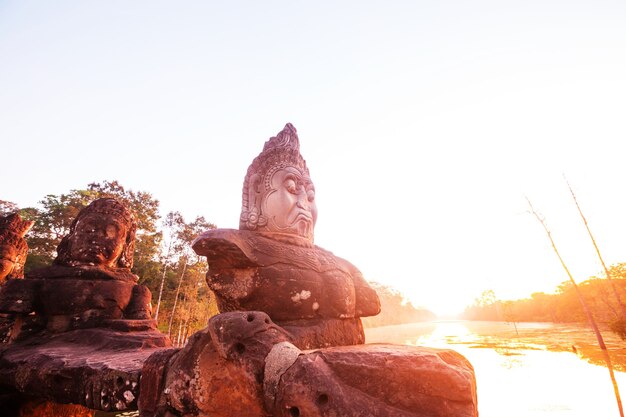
(223, 248)
(367, 301)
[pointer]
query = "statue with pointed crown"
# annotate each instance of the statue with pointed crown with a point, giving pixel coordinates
(13, 246)
(271, 263)
(289, 340)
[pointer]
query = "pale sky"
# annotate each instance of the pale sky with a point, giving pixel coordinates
(423, 123)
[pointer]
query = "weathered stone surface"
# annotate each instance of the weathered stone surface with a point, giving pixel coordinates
(378, 380)
(244, 365)
(140, 305)
(103, 233)
(18, 296)
(151, 402)
(67, 304)
(90, 288)
(97, 368)
(318, 333)
(271, 264)
(84, 272)
(91, 280)
(13, 246)
(40, 408)
(277, 362)
(219, 372)
(283, 275)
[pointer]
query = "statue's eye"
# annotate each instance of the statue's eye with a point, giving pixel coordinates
(290, 185)
(310, 194)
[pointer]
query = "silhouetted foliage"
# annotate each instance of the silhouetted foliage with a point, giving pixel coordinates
(7, 207)
(562, 306)
(395, 309)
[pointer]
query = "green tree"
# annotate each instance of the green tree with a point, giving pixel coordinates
(184, 237)
(7, 207)
(172, 225)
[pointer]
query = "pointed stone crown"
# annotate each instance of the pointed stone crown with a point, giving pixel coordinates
(15, 224)
(280, 151)
(12, 231)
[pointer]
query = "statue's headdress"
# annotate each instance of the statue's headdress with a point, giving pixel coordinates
(280, 151)
(108, 206)
(12, 232)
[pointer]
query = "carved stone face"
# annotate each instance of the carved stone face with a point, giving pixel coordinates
(8, 255)
(98, 239)
(289, 205)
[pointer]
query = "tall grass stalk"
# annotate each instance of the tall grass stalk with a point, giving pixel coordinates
(595, 245)
(592, 321)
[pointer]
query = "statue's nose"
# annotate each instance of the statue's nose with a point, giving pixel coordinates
(302, 202)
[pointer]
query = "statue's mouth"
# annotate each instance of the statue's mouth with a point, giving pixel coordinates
(304, 216)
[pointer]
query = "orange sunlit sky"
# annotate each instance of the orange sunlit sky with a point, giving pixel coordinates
(424, 124)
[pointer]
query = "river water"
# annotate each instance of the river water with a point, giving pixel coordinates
(517, 376)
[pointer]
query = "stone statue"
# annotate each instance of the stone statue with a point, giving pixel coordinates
(271, 264)
(13, 246)
(280, 296)
(13, 252)
(90, 281)
(82, 326)
(288, 342)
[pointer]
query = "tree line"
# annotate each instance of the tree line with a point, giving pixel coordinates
(163, 260)
(395, 309)
(561, 307)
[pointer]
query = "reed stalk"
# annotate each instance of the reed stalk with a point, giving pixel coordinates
(590, 318)
(595, 245)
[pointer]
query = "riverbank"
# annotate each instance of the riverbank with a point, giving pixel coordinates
(510, 339)
(540, 370)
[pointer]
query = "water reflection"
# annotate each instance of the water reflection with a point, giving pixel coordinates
(516, 372)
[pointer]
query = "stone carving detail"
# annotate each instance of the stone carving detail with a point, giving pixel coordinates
(13, 246)
(287, 278)
(278, 194)
(288, 341)
(90, 281)
(377, 380)
(272, 264)
(103, 233)
(243, 365)
(258, 363)
(82, 327)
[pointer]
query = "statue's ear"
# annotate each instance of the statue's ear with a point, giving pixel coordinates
(254, 193)
(126, 258)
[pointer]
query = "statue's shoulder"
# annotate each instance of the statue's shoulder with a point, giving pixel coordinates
(230, 248)
(338, 261)
(226, 247)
